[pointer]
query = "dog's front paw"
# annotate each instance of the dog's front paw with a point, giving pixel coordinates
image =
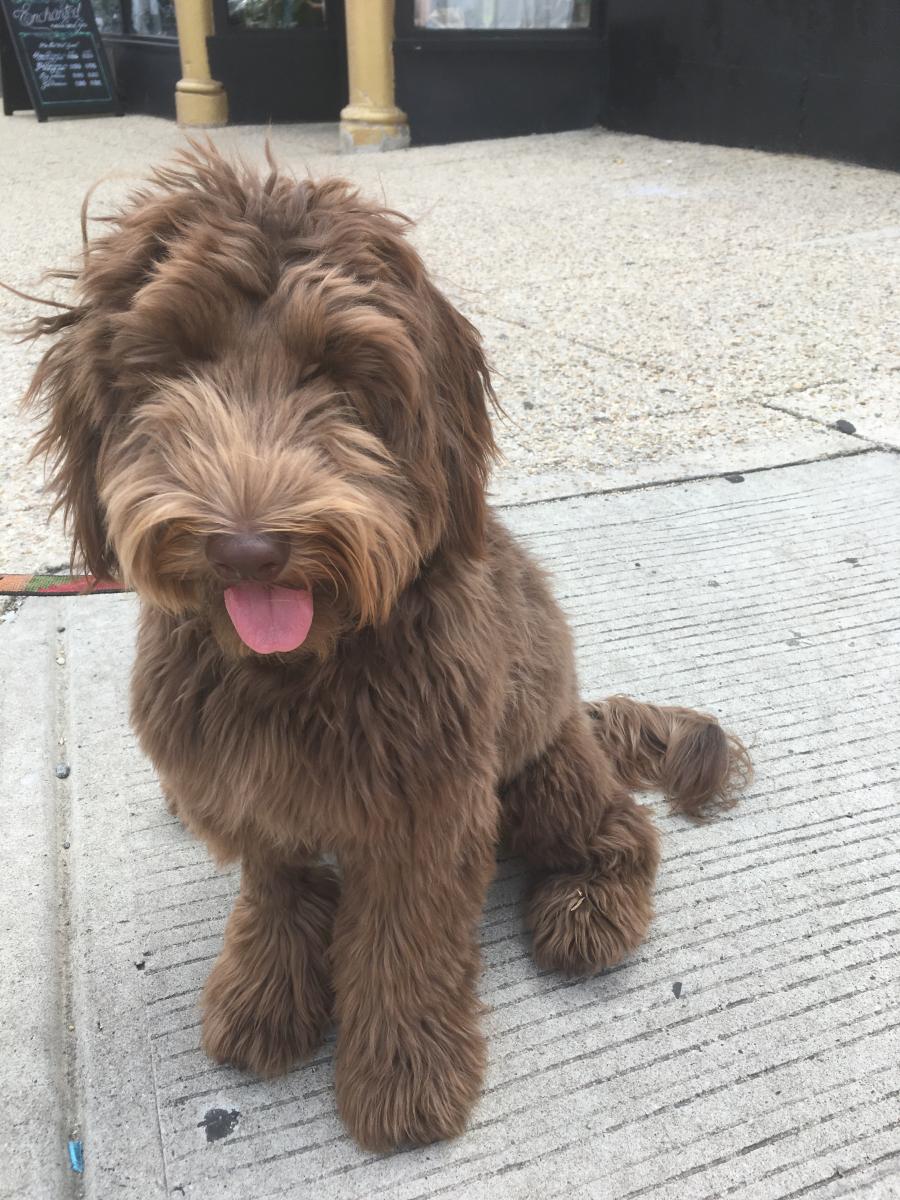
(409, 1085)
(261, 1025)
(583, 923)
(268, 1002)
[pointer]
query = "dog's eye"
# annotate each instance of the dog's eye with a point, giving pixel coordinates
(309, 372)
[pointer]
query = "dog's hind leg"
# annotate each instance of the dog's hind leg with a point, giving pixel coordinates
(268, 1002)
(593, 850)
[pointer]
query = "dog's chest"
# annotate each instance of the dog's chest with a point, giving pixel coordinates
(302, 765)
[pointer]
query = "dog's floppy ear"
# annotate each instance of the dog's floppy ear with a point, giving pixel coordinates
(468, 447)
(75, 385)
(68, 389)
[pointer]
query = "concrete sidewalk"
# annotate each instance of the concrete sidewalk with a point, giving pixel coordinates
(748, 1050)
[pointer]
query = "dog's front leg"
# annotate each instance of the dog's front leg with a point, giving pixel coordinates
(410, 1053)
(267, 1004)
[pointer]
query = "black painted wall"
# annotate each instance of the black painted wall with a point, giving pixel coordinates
(813, 76)
(461, 88)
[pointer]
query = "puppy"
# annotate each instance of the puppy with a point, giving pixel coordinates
(266, 419)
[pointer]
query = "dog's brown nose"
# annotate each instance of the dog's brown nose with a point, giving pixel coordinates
(258, 556)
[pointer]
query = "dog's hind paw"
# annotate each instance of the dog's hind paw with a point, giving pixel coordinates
(583, 923)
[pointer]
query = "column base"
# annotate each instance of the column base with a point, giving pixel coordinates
(375, 131)
(200, 104)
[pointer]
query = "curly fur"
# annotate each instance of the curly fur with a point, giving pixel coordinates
(269, 355)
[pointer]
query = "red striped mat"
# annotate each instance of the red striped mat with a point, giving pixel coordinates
(57, 585)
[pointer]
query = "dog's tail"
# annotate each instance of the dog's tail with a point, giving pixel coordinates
(685, 754)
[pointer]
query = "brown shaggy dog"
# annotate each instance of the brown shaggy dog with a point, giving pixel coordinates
(266, 418)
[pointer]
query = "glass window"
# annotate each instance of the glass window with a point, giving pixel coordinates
(153, 18)
(503, 14)
(276, 14)
(108, 15)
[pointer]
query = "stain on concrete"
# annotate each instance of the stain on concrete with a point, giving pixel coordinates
(219, 1122)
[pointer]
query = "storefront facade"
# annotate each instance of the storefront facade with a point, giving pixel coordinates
(419, 70)
(818, 77)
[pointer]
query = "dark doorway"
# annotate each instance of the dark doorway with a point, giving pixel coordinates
(280, 60)
(471, 69)
(142, 43)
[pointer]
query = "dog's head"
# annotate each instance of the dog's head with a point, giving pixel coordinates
(260, 402)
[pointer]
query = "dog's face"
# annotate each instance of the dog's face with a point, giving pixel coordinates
(261, 410)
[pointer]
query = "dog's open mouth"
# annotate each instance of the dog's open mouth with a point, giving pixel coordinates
(269, 619)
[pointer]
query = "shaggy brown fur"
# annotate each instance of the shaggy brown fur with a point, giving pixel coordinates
(268, 356)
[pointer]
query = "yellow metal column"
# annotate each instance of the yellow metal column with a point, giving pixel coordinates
(371, 121)
(199, 99)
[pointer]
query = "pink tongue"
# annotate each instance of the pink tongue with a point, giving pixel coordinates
(269, 619)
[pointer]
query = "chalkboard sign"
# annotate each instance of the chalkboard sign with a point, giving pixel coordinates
(52, 59)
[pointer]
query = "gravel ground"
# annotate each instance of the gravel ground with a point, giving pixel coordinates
(653, 310)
